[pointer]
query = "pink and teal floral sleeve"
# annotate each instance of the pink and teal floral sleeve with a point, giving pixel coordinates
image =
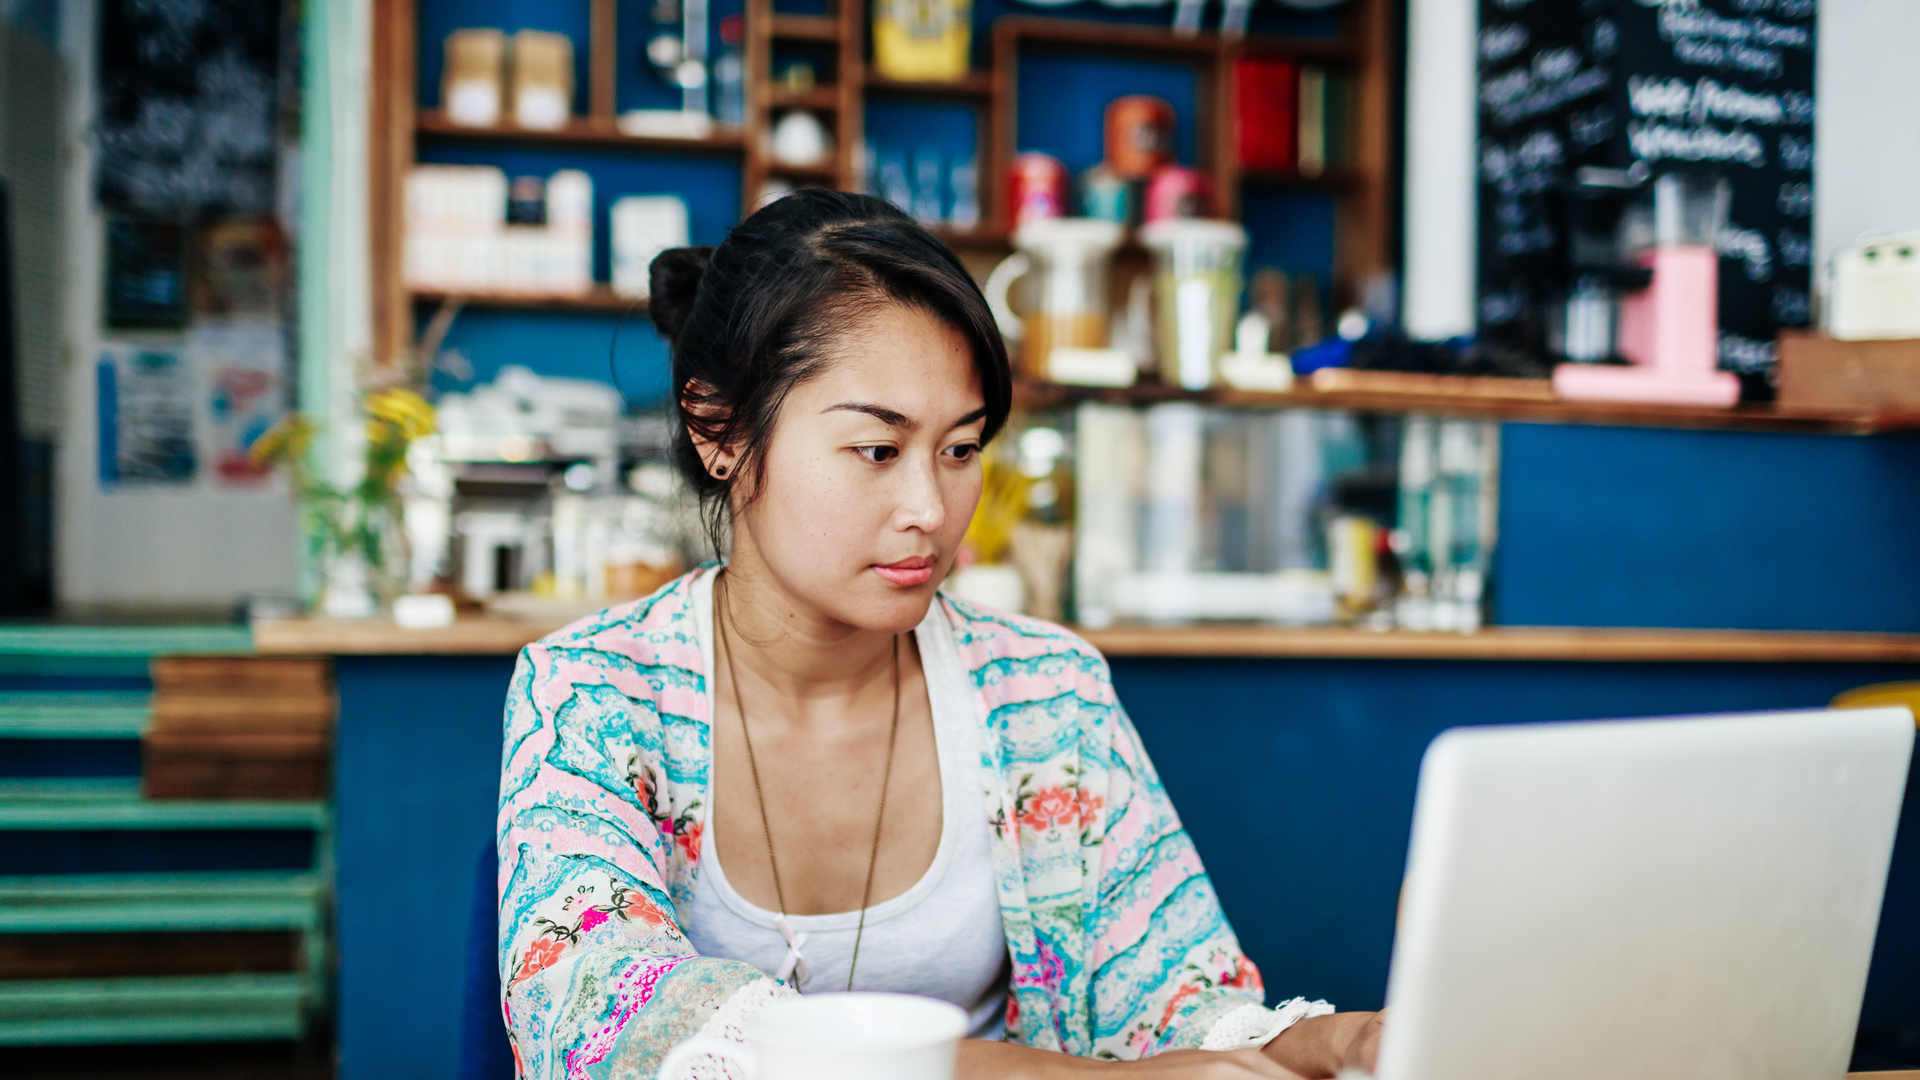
(597, 977)
(1120, 947)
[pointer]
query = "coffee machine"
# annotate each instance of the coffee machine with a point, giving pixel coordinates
(1667, 328)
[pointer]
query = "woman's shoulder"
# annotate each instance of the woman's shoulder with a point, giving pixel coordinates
(656, 630)
(988, 637)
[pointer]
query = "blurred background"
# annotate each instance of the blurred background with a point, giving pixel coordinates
(1383, 366)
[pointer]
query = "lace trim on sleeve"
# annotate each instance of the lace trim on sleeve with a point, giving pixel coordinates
(1250, 1027)
(729, 1023)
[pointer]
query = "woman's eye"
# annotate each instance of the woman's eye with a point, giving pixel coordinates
(878, 455)
(964, 451)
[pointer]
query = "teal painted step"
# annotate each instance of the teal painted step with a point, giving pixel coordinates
(114, 803)
(135, 1010)
(123, 903)
(118, 652)
(73, 714)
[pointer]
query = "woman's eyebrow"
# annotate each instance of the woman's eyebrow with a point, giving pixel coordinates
(878, 412)
(977, 414)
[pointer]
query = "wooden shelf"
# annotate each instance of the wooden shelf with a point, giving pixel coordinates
(976, 85)
(822, 98)
(600, 298)
(806, 28)
(980, 236)
(380, 637)
(1032, 395)
(497, 636)
(1338, 178)
(1106, 36)
(578, 132)
(822, 174)
(1537, 643)
(1326, 50)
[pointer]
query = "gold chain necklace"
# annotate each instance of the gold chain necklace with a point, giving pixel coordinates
(766, 830)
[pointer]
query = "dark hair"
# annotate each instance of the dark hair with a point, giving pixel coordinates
(750, 320)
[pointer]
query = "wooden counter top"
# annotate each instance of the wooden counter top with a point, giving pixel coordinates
(1508, 643)
(496, 636)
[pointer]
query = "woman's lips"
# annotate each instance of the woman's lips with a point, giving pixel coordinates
(907, 572)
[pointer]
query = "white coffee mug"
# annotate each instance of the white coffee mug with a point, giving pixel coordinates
(856, 1036)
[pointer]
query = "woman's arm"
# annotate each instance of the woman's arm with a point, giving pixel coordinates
(1324, 1046)
(593, 966)
(1213, 998)
(984, 1060)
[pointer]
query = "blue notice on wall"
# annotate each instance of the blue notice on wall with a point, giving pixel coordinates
(146, 417)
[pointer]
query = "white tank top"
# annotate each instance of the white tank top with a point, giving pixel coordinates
(941, 938)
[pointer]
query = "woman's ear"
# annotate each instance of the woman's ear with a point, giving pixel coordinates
(707, 421)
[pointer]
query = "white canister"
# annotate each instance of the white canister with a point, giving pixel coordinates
(1196, 282)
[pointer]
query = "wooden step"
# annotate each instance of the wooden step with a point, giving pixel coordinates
(243, 676)
(74, 714)
(119, 955)
(113, 652)
(38, 804)
(199, 900)
(169, 1009)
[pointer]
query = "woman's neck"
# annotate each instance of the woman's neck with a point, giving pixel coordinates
(782, 647)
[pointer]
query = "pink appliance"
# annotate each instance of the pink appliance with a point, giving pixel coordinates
(1669, 331)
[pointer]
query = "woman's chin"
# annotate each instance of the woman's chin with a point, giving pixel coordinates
(887, 608)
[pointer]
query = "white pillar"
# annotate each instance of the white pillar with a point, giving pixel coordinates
(1441, 135)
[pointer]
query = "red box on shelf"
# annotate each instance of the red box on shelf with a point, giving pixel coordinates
(1265, 125)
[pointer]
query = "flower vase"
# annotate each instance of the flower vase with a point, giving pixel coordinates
(345, 590)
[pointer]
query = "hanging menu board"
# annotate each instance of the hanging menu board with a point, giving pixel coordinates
(1718, 86)
(188, 106)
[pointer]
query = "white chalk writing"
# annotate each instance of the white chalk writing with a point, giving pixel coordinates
(1664, 142)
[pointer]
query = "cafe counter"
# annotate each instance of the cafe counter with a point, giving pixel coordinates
(1291, 754)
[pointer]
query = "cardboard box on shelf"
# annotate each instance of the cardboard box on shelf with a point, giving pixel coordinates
(1873, 375)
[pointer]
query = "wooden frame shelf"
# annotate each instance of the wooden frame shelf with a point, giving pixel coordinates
(976, 85)
(823, 98)
(1033, 395)
(1359, 188)
(581, 131)
(1335, 179)
(1359, 185)
(600, 298)
(816, 174)
(824, 28)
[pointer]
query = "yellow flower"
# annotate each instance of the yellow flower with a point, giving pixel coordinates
(286, 440)
(404, 409)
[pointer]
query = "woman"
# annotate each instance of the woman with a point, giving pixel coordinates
(807, 769)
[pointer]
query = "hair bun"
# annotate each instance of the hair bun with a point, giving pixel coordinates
(674, 281)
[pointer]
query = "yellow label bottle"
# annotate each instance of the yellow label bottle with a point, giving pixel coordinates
(922, 40)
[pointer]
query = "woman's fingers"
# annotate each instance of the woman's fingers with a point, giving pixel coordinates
(1364, 1052)
(1211, 1065)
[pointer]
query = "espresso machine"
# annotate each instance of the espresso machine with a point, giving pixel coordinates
(1662, 259)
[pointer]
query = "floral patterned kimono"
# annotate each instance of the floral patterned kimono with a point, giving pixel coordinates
(1119, 948)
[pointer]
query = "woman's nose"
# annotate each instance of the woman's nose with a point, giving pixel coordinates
(921, 506)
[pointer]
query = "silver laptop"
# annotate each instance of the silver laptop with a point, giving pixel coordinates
(1688, 898)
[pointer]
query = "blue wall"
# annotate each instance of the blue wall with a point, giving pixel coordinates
(1642, 527)
(417, 778)
(1304, 834)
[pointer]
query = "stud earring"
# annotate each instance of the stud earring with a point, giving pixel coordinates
(720, 473)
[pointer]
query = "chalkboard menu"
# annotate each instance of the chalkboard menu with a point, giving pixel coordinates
(1632, 89)
(189, 94)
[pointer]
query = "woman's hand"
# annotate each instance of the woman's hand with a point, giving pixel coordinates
(981, 1060)
(1324, 1046)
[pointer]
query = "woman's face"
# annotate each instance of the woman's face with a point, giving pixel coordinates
(871, 474)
